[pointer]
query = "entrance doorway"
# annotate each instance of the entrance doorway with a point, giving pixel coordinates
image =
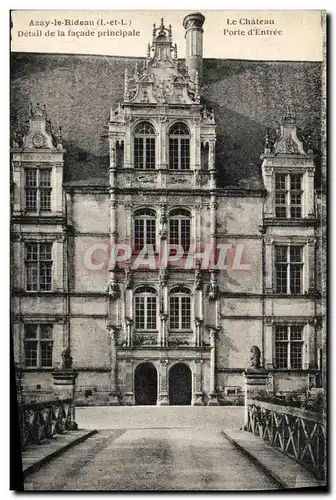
(180, 385)
(145, 384)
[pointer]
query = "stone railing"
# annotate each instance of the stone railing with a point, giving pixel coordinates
(39, 421)
(299, 433)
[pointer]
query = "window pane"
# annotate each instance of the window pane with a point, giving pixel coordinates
(45, 276)
(138, 152)
(138, 234)
(295, 182)
(150, 153)
(45, 251)
(45, 178)
(185, 154)
(185, 233)
(174, 231)
(281, 332)
(281, 355)
(281, 254)
(45, 200)
(150, 232)
(151, 313)
(280, 212)
(30, 353)
(173, 154)
(295, 212)
(295, 278)
(281, 278)
(139, 313)
(280, 182)
(296, 354)
(296, 332)
(31, 200)
(30, 331)
(185, 312)
(46, 353)
(295, 254)
(46, 331)
(31, 276)
(174, 313)
(32, 251)
(31, 177)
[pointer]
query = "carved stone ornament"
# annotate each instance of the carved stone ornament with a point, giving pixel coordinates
(38, 140)
(163, 277)
(198, 277)
(128, 278)
(163, 232)
(66, 358)
(255, 357)
(213, 289)
(113, 290)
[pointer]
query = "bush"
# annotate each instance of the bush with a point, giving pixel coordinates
(294, 399)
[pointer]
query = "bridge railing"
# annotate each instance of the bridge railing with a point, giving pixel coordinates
(299, 433)
(43, 420)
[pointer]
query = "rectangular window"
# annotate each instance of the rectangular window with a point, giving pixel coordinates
(288, 196)
(145, 312)
(38, 345)
(174, 313)
(38, 264)
(289, 269)
(144, 153)
(179, 232)
(38, 190)
(180, 313)
(289, 346)
(174, 154)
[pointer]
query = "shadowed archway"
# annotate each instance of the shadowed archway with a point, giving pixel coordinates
(145, 384)
(180, 385)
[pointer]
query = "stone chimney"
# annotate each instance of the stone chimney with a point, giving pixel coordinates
(193, 23)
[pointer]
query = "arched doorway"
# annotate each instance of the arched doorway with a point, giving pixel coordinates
(145, 384)
(180, 385)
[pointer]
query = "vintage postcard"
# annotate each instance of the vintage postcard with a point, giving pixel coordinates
(168, 250)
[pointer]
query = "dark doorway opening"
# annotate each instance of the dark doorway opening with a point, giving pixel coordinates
(145, 384)
(180, 385)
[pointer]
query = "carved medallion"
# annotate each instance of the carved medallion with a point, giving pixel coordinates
(38, 141)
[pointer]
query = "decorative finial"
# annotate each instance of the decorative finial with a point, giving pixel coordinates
(289, 117)
(197, 96)
(162, 25)
(126, 93)
(148, 50)
(59, 137)
(175, 50)
(267, 148)
(170, 32)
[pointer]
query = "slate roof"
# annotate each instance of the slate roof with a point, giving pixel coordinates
(247, 97)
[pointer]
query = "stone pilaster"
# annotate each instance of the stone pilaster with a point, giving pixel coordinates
(64, 381)
(256, 379)
(163, 330)
(213, 331)
(128, 397)
(129, 331)
(114, 394)
(197, 398)
(163, 397)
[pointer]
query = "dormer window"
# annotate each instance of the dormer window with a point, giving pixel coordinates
(38, 190)
(179, 147)
(288, 196)
(144, 146)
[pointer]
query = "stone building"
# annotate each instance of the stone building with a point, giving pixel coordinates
(159, 250)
